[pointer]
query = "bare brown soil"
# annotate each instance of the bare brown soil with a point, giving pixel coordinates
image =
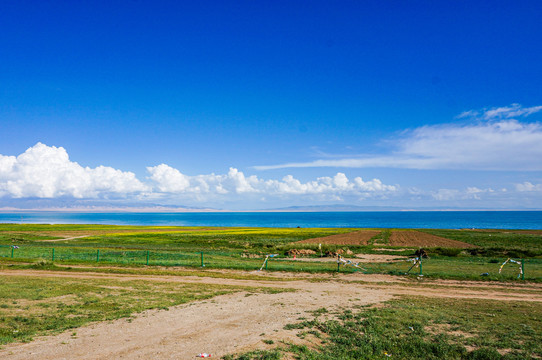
(235, 322)
(407, 238)
(354, 238)
(374, 258)
(421, 239)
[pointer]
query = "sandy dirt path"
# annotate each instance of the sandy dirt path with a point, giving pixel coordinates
(229, 323)
(67, 238)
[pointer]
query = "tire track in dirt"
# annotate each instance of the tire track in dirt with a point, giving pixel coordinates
(66, 239)
(225, 324)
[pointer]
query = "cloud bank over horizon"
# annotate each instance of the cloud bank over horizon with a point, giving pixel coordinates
(47, 172)
(481, 141)
(493, 140)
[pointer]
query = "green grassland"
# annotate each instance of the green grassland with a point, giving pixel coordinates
(419, 328)
(245, 249)
(32, 305)
(508, 242)
(405, 328)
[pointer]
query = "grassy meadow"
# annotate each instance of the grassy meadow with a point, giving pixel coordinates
(416, 328)
(246, 248)
(33, 305)
(406, 327)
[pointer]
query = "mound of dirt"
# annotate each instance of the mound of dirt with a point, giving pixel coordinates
(301, 252)
(421, 239)
(339, 252)
(354, 238)
(250, 256)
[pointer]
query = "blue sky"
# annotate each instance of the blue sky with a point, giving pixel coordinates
(265, 104)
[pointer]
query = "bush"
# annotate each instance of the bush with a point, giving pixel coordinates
(42, 263)
(448, 251)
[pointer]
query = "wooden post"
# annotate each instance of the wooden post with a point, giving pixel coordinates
(522, 269)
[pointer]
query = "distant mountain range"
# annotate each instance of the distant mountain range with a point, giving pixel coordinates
(108, 206)
(71, 205)
(340, 207)
(337, 207)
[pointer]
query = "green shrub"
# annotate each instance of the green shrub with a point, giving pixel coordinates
(448, 251)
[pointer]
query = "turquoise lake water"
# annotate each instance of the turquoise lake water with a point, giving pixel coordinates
(380, 219)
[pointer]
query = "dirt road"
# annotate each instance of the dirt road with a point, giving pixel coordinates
(235, 322)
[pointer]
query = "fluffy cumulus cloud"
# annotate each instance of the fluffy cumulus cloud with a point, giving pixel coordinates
(170, 180)
(47, 172)
(494, 140)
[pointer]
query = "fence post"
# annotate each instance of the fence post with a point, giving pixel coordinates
(522, 269)
(98, 255)
(53, 257)
(147, 257)
(266, 261)
(421, 272)
(202, 264)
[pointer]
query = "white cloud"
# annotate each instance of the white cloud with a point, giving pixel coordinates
(529, 187)
(46, 172)
(470, 193)
(499, 113)
(235, 182)
(505, 144)
(510, 112)
(168, 178)
(445, 194)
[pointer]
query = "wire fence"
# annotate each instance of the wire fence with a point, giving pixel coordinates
(471, 268)
(136, 257)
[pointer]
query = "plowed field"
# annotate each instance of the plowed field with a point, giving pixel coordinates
(421, 239)
(353, 238)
